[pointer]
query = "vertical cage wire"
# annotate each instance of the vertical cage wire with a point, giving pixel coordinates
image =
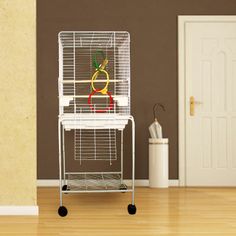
(95, 144)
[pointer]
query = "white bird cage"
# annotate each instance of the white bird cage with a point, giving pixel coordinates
(79, 53)
(94, 102)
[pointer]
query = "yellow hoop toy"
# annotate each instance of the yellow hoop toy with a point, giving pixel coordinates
(94, 77)
(100, 69)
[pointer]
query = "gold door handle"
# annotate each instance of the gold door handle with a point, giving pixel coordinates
(192, 105)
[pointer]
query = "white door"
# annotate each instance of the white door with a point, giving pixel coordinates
(210, 79)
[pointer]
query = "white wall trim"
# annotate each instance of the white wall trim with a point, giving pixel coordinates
(47, 183)
(19, 210)
(181, 96)
(182, 20)
(138, 182)
(173, 182)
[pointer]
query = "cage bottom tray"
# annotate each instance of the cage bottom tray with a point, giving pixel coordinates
(94, 121)
(96, 182)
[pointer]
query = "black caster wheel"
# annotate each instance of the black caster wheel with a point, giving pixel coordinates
(131, 209)
(64, 188)
(123, 187)
(62, 211)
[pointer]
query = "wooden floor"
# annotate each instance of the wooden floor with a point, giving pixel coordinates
(174, 211)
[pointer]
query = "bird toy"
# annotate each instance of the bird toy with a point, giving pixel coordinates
(100, 68)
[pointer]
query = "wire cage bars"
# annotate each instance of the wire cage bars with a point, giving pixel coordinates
(77, 51)
(94, 102)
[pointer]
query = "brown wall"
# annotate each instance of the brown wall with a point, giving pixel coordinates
(153, 28)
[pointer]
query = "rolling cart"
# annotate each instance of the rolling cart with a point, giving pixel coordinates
(94, 104)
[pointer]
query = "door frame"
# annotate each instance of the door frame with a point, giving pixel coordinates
(182, 20)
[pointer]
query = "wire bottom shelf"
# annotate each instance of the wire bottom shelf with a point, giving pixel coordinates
(96, 182)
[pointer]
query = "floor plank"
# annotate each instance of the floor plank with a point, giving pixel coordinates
(173, 212)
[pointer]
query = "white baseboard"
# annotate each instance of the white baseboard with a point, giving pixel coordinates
(19, 210)
(47, 182)
(173, 182)
(138, 182)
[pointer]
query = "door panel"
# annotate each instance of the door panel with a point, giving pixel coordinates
(211, 79)
(207, 142)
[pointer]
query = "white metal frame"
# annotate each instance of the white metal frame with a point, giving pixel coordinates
(62, 170)
(80, 119)
(182, 20)
(68, 40)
